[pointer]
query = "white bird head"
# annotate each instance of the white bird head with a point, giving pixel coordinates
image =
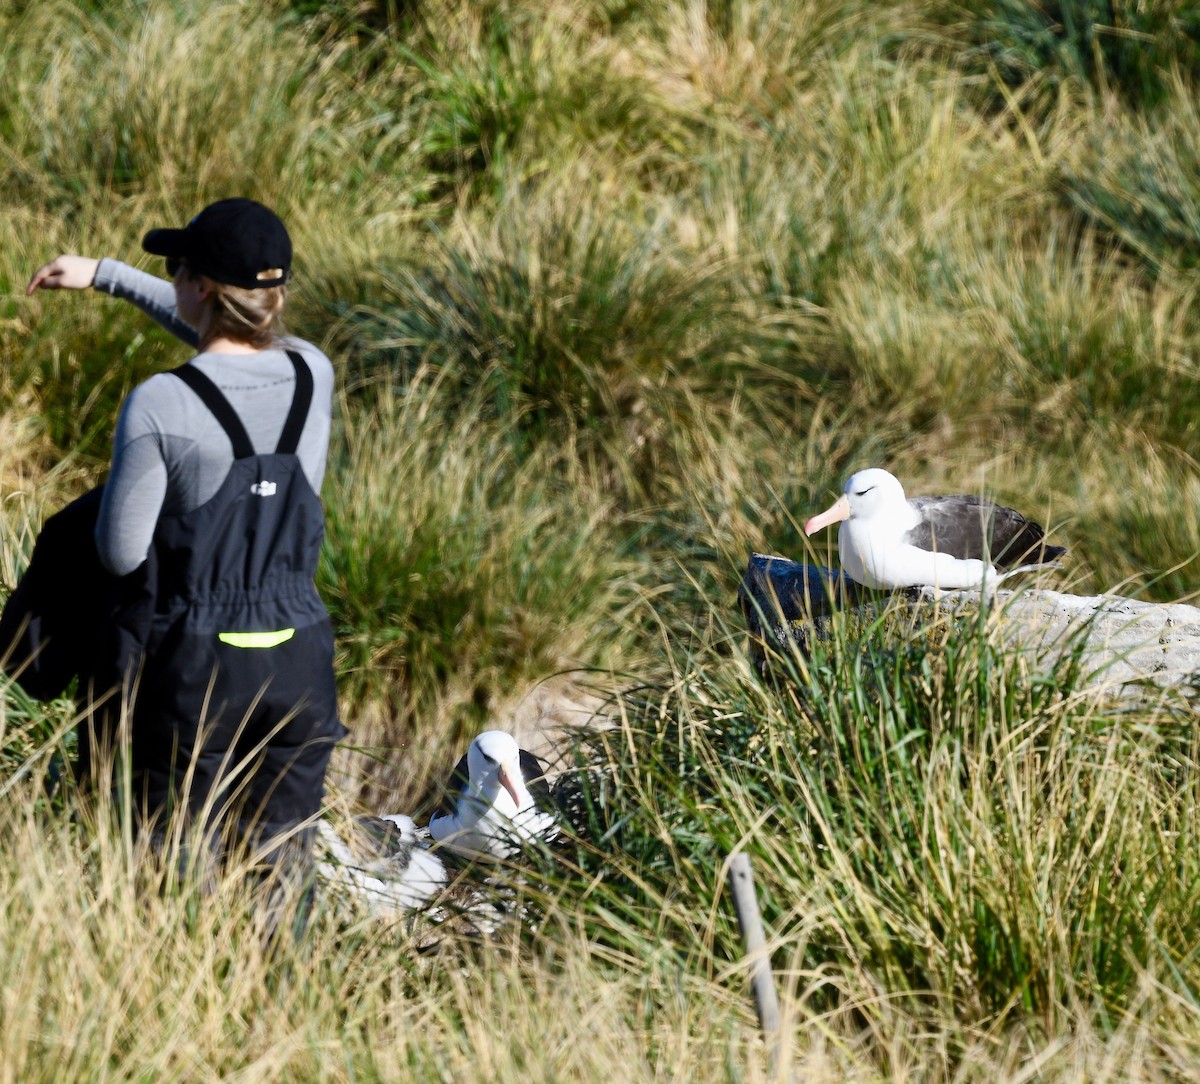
(494, 763)
(494, 814)
(867, 493)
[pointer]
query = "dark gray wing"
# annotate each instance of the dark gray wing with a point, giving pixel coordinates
(535, 782)
(459, 781)
(970, 527)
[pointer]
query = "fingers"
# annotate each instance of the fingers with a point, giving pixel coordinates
(40, 278)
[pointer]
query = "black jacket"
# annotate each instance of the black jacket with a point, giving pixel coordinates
(69, 616)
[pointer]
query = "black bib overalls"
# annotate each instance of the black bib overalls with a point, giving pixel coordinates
(235, 712)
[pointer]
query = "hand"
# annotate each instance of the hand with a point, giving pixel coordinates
(64, 273)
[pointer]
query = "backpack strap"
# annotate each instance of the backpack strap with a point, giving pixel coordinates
(289, 439)
(210, 395)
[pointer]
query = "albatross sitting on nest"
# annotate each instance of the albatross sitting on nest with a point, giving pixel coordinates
(497, 801)
(887, 540)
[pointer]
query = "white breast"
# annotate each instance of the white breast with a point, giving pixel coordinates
(873, 555)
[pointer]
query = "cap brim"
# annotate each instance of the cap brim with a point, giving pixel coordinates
(166, 242)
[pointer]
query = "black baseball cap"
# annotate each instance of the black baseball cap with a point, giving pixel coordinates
(234, 241)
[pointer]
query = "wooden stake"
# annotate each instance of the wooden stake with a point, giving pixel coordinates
(745, 903)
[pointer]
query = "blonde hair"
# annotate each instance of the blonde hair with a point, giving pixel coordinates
(254, 317)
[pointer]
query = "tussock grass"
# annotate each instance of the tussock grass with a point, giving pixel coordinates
(127, 85)
(619, 292)
(577, 322)
(960, 856)
(1138, 181)
(515, 88)
(941, 828)
(457, 570)
(1128, 48)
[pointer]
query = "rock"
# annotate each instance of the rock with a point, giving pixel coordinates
(1125, 642)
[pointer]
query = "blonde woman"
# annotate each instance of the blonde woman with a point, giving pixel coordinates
(213, 494)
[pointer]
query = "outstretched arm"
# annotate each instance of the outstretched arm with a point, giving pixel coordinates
(154, 296)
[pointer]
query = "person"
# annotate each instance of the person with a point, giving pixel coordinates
(213, 496)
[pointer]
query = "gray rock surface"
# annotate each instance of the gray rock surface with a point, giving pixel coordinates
(1125, 642)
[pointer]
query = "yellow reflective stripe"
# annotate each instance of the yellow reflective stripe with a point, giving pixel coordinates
(256, 639)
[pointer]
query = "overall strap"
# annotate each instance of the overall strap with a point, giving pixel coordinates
(289, 439)
(211, 397)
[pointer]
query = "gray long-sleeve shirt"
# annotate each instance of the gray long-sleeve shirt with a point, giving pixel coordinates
(170, 455)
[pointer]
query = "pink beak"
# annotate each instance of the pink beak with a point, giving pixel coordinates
(510, 784)
(839, 510)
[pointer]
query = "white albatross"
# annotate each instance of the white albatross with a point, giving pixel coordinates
(886, 540)
(496, 802)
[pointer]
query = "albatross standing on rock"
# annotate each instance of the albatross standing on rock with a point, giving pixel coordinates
(887, 540)
(496, 801)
